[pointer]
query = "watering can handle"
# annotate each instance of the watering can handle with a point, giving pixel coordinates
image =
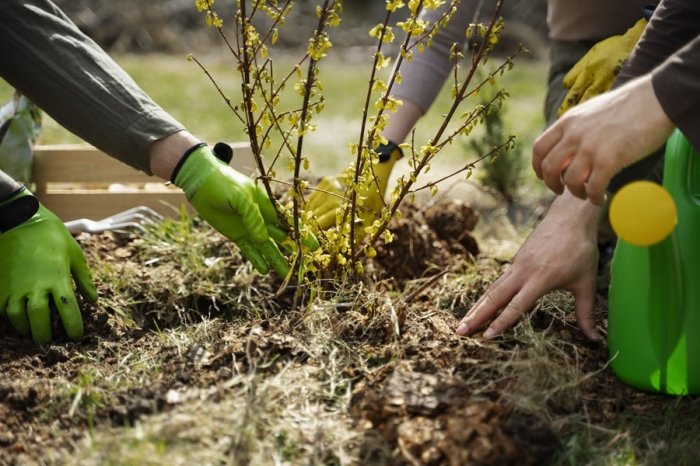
(681, 170)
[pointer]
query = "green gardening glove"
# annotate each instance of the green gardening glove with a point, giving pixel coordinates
(234, 205)
(596, 71)
(38, 256)
(329, 194)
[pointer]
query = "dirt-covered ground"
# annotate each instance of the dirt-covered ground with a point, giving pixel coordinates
(191, 358)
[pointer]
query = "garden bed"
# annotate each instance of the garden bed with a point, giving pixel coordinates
(190, 357)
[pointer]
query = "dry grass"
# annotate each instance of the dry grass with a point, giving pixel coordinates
(293, 416)
(191, 361)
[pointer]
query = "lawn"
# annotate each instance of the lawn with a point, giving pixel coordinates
(183, 89)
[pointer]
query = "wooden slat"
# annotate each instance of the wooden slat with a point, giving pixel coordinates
(71, 181)
(81, 163)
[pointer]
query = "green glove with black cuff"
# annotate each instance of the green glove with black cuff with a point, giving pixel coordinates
(233, 204)
(38, 258)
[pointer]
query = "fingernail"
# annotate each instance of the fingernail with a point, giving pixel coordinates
(489, 333)
(463, 329)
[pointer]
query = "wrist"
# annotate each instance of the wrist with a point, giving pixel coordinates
(568, 207)
(389, 152)
(167, 152)
(194, 167)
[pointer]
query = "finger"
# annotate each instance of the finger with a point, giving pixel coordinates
(319, 193)
(596, 187)
(493, 286)
(329, 204)
(309, 240)
(326, 220)
(570, 77)
(273, 255)
(266, 207)
(280, 236)
(582, 83)
(17, 314)
(82, 276)
(555, 165)
(251, 253)
(39, 317)
(69, 311)
(316, 198)
(584, 299)
(328, 183)
(577, 88)
(543, 145)
(521, 302)
(275, 230)
(277, 233)
(250, 215)
(593, 90)
(576, 175)
(575, 73)
(566, 104)
(495, 298)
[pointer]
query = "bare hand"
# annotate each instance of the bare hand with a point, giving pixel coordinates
(561, 253)
(593, 141)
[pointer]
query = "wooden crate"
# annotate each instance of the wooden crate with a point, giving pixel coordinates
(79, 181)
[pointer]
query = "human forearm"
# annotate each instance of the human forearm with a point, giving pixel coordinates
(669, 49)
(7, 185)
(424, 75)
(402, 121)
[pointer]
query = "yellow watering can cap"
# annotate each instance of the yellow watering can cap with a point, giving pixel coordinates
(643, 213)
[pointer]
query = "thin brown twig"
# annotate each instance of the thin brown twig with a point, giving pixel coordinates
(469, 166)
(409, 297)
(220, 91)
(405, 189)
(308, 86)
(359, 159)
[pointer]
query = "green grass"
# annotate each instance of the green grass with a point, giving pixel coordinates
(181, 87)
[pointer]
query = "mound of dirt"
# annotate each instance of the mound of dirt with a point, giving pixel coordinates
(428, 241)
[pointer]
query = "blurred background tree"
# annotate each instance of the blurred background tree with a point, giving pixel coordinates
(174, 26)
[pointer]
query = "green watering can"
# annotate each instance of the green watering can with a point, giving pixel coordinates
(654, 297)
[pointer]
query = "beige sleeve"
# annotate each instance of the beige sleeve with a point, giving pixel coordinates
(424, 76)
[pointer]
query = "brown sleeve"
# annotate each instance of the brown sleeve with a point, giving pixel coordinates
(677, 86)
(46, 57)
(670, 50)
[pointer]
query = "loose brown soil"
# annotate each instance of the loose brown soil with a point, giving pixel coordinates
(418, 395)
